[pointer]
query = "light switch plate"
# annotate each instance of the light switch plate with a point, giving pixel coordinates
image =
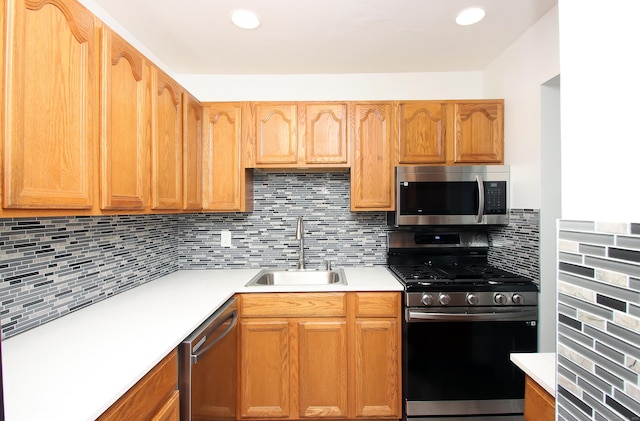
(225, 238)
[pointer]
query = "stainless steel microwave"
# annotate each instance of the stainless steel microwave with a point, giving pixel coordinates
(451, 195)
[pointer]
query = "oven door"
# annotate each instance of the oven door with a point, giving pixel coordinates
(458, 364)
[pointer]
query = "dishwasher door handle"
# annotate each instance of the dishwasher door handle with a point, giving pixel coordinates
(198, 352)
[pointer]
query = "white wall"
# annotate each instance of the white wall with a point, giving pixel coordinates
(445, 85)
(119, 29)
(600, 108)
(516, 75)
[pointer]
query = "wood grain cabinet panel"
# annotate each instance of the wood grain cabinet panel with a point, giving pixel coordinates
(479, 136)
(50, 129)
(192, 121)
(227, 185)
(276, 131)
(322, 361)
(166, 143)
(539, 405)
(155, 397)
(311, 356)
(264, 369)
(126, 125)
(372, 177)
(377, 378)
(421, 132)
(324, 133)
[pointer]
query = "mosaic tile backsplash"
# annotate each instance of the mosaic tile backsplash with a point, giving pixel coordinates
(52, 266)
(516, 247)
(598, 321)
(266, 237)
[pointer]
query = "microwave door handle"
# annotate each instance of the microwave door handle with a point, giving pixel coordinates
(480, 183)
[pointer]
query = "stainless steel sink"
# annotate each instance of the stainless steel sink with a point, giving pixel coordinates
(298, 277)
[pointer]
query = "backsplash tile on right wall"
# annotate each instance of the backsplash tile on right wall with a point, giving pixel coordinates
(598, 321)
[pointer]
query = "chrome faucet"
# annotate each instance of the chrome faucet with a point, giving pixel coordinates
(300, 237)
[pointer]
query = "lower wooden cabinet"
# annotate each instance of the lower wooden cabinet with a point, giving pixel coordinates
(539, 405)
(320, 355)
(155, 397)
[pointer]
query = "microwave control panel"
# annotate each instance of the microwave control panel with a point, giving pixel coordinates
(495, 197)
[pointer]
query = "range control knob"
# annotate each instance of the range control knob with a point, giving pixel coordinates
(517, 299)
(444, 299)
(427, 299)
(472, 299)
(500, 299)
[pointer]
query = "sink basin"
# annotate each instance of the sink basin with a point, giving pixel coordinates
(298, 277)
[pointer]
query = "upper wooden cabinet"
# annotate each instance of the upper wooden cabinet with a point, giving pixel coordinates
(50, 96)
(324, 133)
(450, 132)
(193, 122)
(478, 129)
(228, 187)
(166, 143)
(125, 125)
(298, 135)
(421, 132)
(372, 177)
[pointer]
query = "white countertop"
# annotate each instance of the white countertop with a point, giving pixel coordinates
(540, 366)
(75, 367)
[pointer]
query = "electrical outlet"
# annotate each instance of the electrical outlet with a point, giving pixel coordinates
(225, 238)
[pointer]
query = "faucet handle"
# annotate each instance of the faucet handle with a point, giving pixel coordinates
(327, 264)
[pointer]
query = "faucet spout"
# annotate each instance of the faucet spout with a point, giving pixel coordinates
(300, 238)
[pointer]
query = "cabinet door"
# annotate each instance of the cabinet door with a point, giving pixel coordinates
(223, 184)
(276, 131)
(322, 371)
(421, 133)
(479, 132)
(377, 369)
(264, 369)
(125, 129)
(372, 169)
(50, 128)
(166, 143)
(170, 411)
(539, 405)
(325, 133)
(192, 167)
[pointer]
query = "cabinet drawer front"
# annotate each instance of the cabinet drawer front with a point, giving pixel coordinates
(377, 304)
(305, 304)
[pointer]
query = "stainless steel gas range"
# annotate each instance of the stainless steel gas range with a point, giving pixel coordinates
(462, 319)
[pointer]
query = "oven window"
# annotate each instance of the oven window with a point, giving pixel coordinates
(439, 198)
(465, 360)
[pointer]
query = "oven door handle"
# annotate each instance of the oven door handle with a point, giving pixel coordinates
(419, 316)
(480, 182)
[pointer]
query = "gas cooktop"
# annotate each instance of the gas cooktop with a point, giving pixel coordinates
(451, 262)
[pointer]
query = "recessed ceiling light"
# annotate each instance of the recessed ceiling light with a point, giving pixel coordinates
(469, 16)
(245, 19)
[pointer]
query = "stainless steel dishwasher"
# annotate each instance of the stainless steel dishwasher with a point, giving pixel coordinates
(207, 368)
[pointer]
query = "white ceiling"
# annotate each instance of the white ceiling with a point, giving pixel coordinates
(324, 36)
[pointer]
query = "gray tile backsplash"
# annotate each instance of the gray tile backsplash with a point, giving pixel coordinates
(598, 325)
(52, 266)
(266, 237)
(515, 247)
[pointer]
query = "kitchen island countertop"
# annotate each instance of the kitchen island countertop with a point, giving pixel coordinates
(75, 367)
